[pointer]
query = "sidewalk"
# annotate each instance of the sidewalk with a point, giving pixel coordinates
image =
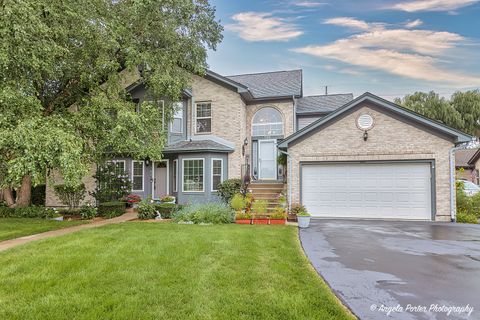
(4, 245)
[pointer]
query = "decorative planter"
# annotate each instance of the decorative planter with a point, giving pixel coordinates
(303, 221)
(56, 218)
(292, 217)
(134, 205)
(260, 221)
(243, 221)
(277, 221)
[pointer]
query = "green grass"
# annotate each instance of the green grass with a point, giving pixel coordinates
(11, 228)
(138, 270)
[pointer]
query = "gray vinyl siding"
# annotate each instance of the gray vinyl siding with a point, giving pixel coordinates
(303, 121)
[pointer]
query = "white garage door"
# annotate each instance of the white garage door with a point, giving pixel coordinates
(368, 190)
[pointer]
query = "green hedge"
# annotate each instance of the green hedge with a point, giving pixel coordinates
(209, 213)
(167, 210)
(111, 209)
(27, 212)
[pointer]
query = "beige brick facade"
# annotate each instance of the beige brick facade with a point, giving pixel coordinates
(228, 118)
(51, 200)
(390, 139)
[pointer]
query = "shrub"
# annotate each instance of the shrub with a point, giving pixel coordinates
(111, 209)
(260, 207)
(243, 216)
(146, 210)
(464, 217)
(38, 195)
(88, 212)
(228, 188)
(279, 213)
(297, 209)
(215, 213)
(167, 210)
(27, 212)
(237, 202)
(112, 185)
(70, 195)
(167, 199)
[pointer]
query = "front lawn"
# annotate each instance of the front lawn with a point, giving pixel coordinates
(138, 270)
(11, 228)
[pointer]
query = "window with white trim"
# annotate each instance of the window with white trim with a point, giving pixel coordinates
(267, 122)
(119, 166)
(175, 174)
(217, 173)
(137, 175)
(203, 117)
(193, 175)
(177, 122)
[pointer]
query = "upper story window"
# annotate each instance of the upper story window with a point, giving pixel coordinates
(177, 123)
(267, 122)
(203, 117)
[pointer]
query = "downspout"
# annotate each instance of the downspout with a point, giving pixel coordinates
(289, 179)
(453, 207)
(294, 114)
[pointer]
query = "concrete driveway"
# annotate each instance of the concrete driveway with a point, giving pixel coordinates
(399, 270)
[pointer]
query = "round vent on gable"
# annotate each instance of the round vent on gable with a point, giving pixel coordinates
(365, 122)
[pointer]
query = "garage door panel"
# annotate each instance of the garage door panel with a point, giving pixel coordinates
(368, 190)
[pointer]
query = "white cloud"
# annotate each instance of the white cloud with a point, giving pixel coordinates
(432, 5)
(413, 24)
(262, 26)
(309, 4)
(348, 22)
(416, 54)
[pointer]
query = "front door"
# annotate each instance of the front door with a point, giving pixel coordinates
(267, 159)
(160, 179)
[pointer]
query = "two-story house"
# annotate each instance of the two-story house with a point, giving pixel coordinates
(361, 158)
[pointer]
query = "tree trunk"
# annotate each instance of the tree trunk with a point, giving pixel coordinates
(24, 194)
(8, 197)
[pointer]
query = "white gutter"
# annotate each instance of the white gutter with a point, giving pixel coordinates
(294, 114)
(289, 177)
(467, 145)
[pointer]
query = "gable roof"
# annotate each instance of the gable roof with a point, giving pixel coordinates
(197, 146)
(457, 135)
(322, 103)
(463, 157)
(271, 84)
(475, 157)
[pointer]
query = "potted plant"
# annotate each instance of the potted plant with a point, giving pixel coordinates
(303, 219)
(278, 216)
(133, 200)
(168, 199)
(294, 210)
(238, 204)
(259, 208)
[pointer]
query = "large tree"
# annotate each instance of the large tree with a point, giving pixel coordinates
(64, 66)
(461, 111)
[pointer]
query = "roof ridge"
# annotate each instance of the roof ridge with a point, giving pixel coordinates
(326, 95)
(266, 72)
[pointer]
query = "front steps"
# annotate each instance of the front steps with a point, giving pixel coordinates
(266, 190)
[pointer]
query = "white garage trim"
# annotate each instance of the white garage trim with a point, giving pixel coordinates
(431, 164)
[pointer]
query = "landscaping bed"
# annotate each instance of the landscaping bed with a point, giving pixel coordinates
(165, 271)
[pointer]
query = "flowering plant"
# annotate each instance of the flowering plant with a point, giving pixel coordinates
(133, 198)
(167, 198)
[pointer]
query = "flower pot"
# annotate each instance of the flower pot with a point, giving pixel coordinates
(260, 221)
(303, 221)
(292, 217)
(277, 221)
(243, 221)
(134, 205)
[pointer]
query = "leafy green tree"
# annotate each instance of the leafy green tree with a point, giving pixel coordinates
(62, 56)
(462, 111)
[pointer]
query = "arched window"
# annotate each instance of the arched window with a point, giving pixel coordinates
(267, 122)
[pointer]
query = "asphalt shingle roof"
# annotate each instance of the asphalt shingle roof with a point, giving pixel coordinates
(271, 84)
(323, 103)
(197, 145)
(462, 157)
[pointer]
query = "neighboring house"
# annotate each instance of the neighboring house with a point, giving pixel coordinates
(362, 158)
(467, 163)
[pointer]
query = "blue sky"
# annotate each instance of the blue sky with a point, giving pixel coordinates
(390, 48)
